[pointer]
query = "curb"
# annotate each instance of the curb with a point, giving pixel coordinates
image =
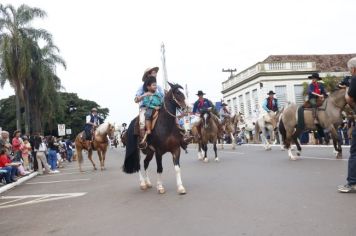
(18, 182)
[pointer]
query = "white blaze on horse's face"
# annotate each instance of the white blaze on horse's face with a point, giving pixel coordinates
(205, 116)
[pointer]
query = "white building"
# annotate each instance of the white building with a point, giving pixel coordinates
(284, 74)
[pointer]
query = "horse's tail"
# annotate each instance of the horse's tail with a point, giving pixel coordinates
(282, 130)
(132, 156)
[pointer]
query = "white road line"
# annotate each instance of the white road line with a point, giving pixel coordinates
(62, 173)
(59, 181)
(38, 198)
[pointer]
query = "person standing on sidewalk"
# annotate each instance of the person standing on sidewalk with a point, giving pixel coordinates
(41, 149)
(16, 144)
(26, 150)
(351, 100)
(52, 154)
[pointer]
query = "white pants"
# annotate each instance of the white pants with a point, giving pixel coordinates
(142, 117)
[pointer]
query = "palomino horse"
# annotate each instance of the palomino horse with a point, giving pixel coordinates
(266, 125)
(165, 137)
(329, 117)
(100, 144)
(209, 133)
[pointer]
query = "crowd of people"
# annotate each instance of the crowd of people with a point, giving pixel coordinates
(23, 155)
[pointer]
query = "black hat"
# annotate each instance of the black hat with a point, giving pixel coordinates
(200, 93)
(271, 92)
(224, 104)
(124, 124)
(315, 76)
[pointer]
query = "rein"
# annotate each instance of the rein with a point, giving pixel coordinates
(165, 106)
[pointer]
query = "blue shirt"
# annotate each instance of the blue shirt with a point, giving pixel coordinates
(311, 90)
(274, 105)
(198, 107)
(140, 92)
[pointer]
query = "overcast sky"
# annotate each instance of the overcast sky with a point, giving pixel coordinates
(108, 44)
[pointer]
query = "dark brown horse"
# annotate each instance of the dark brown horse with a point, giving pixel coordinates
(165, 137)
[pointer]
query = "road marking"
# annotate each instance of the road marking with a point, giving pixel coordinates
(33, 199)
(62, 173)
(59, 181)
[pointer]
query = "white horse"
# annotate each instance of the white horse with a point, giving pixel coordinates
(267, 125)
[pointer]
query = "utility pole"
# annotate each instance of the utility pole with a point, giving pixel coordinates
(165, 76)
(229, 70)
(186, 92)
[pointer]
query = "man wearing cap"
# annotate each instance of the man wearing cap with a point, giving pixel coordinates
(92, 121)
(316, 94)
(141, 94)
(224, 112)
(270, 103)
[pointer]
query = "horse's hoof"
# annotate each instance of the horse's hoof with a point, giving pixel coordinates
(200, 157)
(339, 156)
(217, 159)
(206, 160)
(102, 168)
(181, 190)
(143, 186)
(161, 190)
(293, 158)
(148, 184)
(95, 168)
(298, 154)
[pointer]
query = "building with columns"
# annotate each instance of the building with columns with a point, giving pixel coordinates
(284, 74)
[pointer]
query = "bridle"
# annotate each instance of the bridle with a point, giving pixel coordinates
(177, 103)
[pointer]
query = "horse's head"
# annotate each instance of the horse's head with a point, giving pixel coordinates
(111, 130)
(205, 115)
(240, 118)
(176, 97)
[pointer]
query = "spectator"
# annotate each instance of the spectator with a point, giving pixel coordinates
(16, 144)
(4, 142)
(69, 146)
(41, 149)
(26, 150)
(52, 154)
(11, 168)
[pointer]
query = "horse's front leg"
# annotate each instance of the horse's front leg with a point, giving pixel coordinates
(160, 187)
(265, 141)
(146, 163)
(205, 147)
(233, 141)
(336, 142)
(216, 152)
(180, 187)
(200, 151)
(100, 159)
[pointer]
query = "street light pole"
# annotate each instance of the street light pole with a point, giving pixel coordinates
(165, 76)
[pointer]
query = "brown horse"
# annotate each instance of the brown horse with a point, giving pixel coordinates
(165, 137)
(100, 144)
(329, 116)
(209, 133)
(230, 125)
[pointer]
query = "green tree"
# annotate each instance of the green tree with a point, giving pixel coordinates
(73, 119)
(16, 40)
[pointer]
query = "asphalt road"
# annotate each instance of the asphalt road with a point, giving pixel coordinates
(249, 192)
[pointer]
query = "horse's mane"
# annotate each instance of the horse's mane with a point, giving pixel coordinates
(103, 128)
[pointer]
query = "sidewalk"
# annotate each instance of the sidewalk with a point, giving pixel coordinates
(18, 182)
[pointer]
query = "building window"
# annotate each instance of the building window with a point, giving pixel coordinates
(298, 93)
(248, 102)
(241, 104)
(255, 98)
(281, 95)
(234, 103)
(229, 104)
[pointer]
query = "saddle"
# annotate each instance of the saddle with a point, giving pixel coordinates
(137, 122)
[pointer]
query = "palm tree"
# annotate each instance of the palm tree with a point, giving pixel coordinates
(16, 38)
(44, 84)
